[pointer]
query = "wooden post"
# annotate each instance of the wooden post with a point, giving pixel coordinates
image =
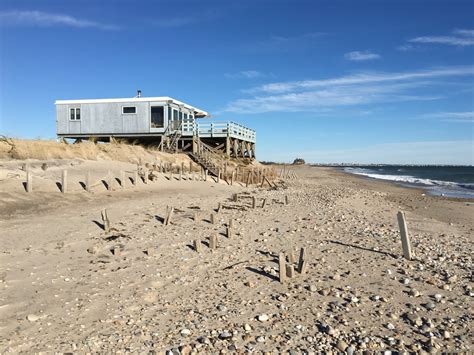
(170, 175)
(182, 167)
(248, 180)
(122, 179)
(254, 202)
(196, 217)
(181, 173)
(212, 218)
(406, 245)
(229, 232)
(290, 271)
(219, 207)
(64, 182)
(105, 220)
(29, 181)
(109, 180)
(135, 178)
(264, 202)
(231, 223)
(213, 242)
(218, 175)
(301, 260)
(232, 178)
(197, 245)
(287, 200)
(169, 216)
(291, 257)
(236, 197)
(282, 267)
(88, 181)
(145, 172)
(190, 167)
(205, 174)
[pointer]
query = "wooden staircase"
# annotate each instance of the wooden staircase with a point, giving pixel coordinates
(207, 158)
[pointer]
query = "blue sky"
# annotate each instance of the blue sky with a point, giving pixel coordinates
(328, 81)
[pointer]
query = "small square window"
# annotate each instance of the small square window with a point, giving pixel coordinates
(73, 114)
(78, 113)
(129, 109)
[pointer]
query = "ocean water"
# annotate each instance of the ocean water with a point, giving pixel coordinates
(450, 181)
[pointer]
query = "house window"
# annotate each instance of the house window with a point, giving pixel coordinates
(129, 109)
(75, 114)
(175, 115)
(157, 116)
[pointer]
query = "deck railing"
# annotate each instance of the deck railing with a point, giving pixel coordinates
(214, 129)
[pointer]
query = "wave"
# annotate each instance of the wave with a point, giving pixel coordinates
(410, 179)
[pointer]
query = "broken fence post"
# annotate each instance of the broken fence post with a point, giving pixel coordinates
(122, 179)
(88, 181)
(109, 180)
(236, 197)
(213, 218)
(197, 245)
(105, 220)
(282, 267)
(169, 215)
(64, 182)
(254, 202)
(230, 232)
(213, 242)
(29, 181)
(287, 200)
(135, 178)
(264, 202)
(290, 271)
(291, 257)
(302, 261)
(406, 245)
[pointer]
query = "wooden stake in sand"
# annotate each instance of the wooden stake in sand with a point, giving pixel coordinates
(219, 207)
(64, 182)
(29, 181)
(197, 245)
(145, 172)
(196, 217)
(287, 200)
(406, 245)
(181, 173)
(205, 174)
(213, 242)
(212, 218)
(264, 202)
(109, 180)
(302, 262)
(291, 257)
(235, 197)
(170, 175)
(231, 223)
(122, 179)
(232, 178)
(88, 181)
(290, 271)
(218, 175)
(282, 267)
(254, 202)
(230, 232)
(105, 220)
(135, 178)
(169, 215)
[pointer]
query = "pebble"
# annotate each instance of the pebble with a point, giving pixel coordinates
(312, 288)
(390, 326)
(261, 339)
(32, 317)
(341, 345)
(247, 327)
(263, 318)
(185, 332)
(225, 335)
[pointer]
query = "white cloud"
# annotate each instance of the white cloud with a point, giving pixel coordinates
(39, 18)
(361, 56)
(461, 117)
(247, 74)
(358, 89)
(460, 38)
(429, 152)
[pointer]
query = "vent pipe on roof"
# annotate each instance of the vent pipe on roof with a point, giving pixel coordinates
(139, 93)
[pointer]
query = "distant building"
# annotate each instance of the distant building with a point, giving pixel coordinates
(168, 122)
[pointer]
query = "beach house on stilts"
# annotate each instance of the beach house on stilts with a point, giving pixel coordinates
(171, 124)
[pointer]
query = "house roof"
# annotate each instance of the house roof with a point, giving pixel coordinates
(198, 112)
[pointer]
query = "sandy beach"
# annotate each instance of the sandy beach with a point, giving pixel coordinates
(69, 286)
